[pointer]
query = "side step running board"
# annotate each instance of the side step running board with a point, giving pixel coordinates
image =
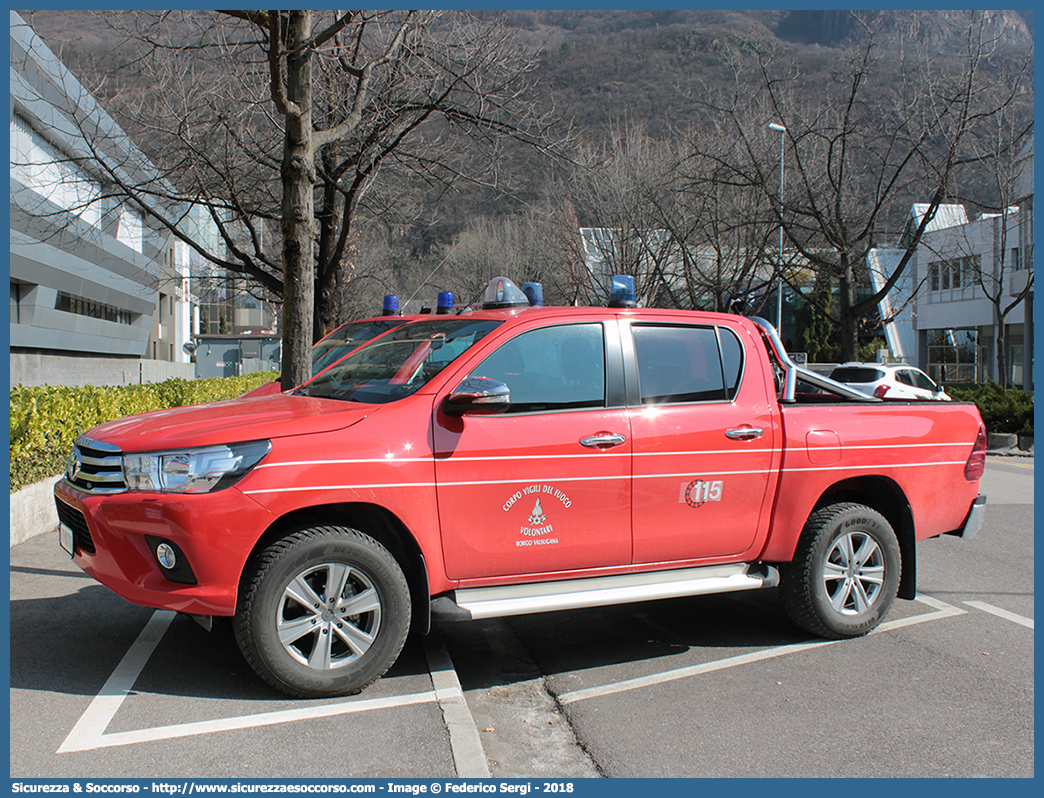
(571, 594)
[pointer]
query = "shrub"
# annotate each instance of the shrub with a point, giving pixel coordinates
(46, 420)
(1003, 409)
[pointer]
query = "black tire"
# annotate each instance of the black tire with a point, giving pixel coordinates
(311, 645)
(845, 572)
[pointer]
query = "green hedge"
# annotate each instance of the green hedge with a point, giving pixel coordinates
(1003, 409)
(45, 421)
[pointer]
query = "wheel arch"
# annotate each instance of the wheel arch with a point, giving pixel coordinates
(373, 520)
(887, 497)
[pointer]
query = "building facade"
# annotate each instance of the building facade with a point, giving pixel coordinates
(98, 295)
(973, 309)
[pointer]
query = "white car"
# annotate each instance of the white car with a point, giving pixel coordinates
(889, 381)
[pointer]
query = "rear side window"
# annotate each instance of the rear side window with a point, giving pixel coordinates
(856, 374)
(922, 380)
(687, 364)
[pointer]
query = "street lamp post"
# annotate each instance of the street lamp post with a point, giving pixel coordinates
(779, 277)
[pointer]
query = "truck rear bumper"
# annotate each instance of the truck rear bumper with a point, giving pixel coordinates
(973, 523)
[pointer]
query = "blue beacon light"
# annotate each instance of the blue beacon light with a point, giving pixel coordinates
(622, 293)
(534, 293)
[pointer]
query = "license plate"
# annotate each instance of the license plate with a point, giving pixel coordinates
(65, 538)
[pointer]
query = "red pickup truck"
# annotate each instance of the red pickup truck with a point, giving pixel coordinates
(513, 460)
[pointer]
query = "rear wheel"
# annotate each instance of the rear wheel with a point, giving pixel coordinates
(845, 572)
(324, 612)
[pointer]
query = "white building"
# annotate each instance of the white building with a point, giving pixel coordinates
(1022, 277)
(98, 296)
(967, 273)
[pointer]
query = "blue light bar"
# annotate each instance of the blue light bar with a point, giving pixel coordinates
(622, 293)
(391, 305)
(534, 293)
(445, 303)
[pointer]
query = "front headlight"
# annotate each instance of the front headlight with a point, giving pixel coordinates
(193, 470)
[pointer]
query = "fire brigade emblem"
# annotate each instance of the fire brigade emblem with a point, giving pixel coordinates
(536, 529)
(537, 517)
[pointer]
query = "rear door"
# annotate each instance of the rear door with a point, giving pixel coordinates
(543, 488)
(704, 442)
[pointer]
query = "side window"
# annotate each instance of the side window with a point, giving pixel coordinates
(921, 380)
(903, 377)
(684, 364)
(553, 368)
(731, 360)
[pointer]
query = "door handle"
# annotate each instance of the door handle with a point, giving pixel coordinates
(744, 433)
(602, 440)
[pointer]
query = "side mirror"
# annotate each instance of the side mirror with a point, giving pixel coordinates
(477, 395)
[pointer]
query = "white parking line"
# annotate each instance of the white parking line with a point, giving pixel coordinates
(248, 721)
(1008, 616)
(469, 758)
(942, 610)
(92, 724)
(89, 731)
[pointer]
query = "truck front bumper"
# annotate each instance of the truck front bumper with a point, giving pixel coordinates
(116, 534)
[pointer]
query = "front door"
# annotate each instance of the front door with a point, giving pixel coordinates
(544, 487)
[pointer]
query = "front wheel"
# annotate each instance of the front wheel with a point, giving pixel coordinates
(324, 612)
(845, 572)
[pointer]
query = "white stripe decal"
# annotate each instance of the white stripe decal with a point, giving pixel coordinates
(880, 466)
(600, 478)
(342, 487)
(368, 461)
(520, 480)
(705, 452)
(526, 480)
(699, 453)
(691, 474)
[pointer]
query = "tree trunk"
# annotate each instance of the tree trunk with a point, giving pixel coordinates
(329, 293)
(849, 321)
(1002, 356)
(298, 211)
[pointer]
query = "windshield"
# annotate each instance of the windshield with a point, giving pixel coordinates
(400, 363)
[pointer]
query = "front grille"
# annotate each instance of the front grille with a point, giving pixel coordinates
(96, 467)
(75, 520)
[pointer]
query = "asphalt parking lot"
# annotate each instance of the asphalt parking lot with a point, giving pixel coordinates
(715, 686)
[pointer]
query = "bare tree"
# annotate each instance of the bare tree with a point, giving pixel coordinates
(665, 213)
(723, 232)
(277, 125)
(856, 154)
(614, 186)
